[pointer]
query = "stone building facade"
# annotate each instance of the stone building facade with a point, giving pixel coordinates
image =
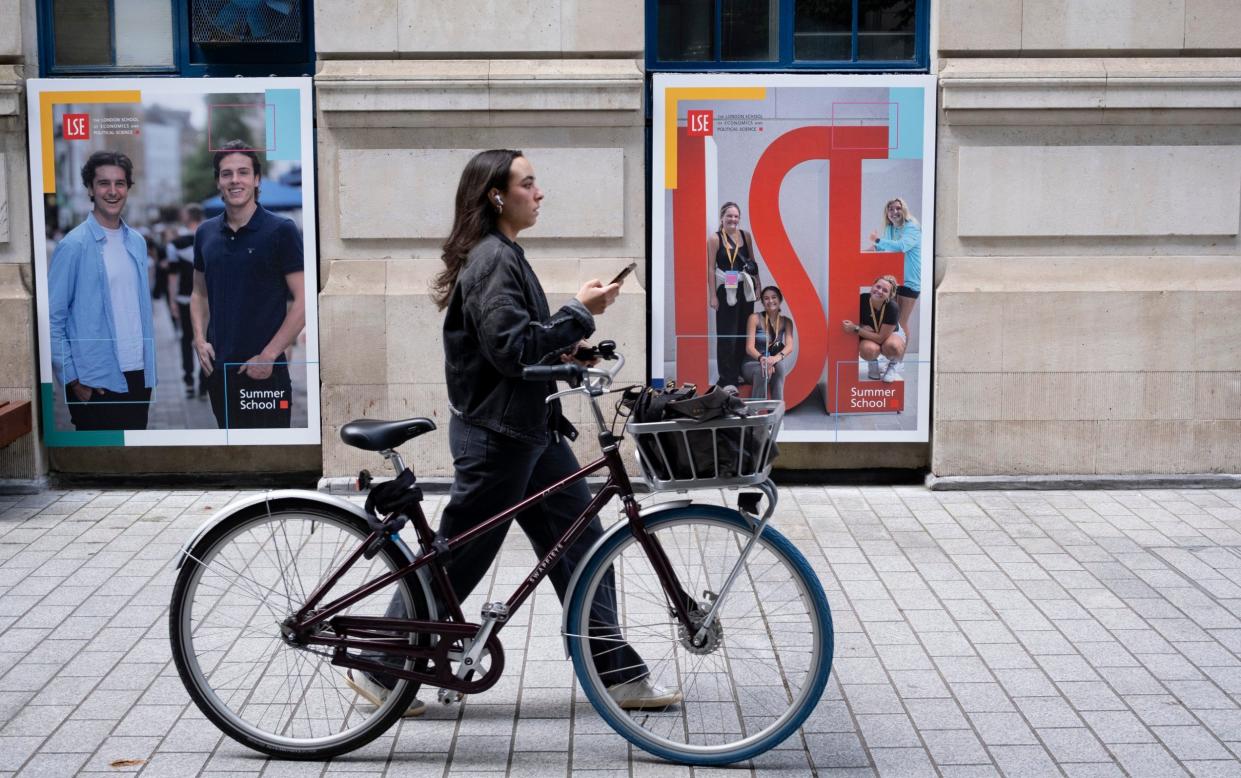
(1087, 250)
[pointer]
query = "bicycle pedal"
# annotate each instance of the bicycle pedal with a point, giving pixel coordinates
(448, 696)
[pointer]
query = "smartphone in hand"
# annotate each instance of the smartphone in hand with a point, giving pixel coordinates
(622, 275)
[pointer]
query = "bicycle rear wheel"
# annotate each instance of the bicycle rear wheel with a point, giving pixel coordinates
(240, 581)
(765, 661)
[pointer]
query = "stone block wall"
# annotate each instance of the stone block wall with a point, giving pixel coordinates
(559, 80)
(1087, 237)
(21, 461)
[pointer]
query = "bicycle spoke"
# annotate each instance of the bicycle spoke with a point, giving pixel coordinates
(749, 681)
(245, 585)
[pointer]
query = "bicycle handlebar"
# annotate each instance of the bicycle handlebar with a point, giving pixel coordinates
(554, 372)
(590, 381)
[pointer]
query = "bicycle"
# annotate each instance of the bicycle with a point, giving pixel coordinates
(718, 604)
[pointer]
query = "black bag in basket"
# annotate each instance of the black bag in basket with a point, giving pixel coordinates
(695, 453)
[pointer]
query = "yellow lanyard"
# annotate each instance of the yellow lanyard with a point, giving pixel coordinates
(730, 251)
(774, 334)
(874, 320)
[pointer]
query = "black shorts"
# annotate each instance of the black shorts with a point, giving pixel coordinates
(904, 291)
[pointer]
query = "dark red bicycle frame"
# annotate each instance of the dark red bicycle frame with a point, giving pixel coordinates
(378, 630)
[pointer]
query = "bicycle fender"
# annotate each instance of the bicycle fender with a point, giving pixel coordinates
(280, 498)
(620, 526)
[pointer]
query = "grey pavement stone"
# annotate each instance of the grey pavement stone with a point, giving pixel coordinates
(977, 633)
(955, 747)
(1074, 744)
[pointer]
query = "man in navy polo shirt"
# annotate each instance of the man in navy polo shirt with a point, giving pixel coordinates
(248, 303)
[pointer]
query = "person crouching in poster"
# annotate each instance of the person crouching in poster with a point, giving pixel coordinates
(99, 307)
(731, 280)
(769, 341)
(878, 330)
(248, 303)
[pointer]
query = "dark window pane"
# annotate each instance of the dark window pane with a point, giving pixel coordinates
(823, 30)
(83, 30)
(686, 30)
(750, 30)
(886, 29)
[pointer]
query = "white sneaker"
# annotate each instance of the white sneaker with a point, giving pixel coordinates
(375, 694)
(640, 693)
(889, 374)
(872, 369)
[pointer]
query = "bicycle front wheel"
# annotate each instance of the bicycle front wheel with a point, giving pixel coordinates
(238, 584)
(762, 665)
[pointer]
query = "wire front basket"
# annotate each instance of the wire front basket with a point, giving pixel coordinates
(735, 451)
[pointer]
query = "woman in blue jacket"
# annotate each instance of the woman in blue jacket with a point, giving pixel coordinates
(901, 233)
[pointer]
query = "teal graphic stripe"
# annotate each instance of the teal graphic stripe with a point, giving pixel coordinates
(54, 438)
(905, 137)
(284, 130)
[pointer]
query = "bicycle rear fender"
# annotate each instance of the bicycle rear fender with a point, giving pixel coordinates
(620, 526)
(277, 500)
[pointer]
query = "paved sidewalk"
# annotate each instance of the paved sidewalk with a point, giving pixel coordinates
(977, 633)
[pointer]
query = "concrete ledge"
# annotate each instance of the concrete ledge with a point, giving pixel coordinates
(478, 85)
(962, 483)
(22, 485)
(346, 485)
(11, 83)
(1087, 90)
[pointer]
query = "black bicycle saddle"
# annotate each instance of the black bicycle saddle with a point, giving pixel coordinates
(377, 435)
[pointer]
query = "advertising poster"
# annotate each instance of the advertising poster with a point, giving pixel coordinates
(176, 282)
(792, 230)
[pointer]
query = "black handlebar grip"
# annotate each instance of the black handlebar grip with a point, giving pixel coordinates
(553, 372)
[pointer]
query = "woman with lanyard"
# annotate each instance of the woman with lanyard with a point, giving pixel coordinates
(879, 330)
(731, 280)
(901, 233)
(769, 341)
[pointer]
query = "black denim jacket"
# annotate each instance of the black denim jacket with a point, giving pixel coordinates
(497, 323)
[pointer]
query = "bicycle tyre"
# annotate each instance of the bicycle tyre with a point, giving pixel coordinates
(239, 571)
(728, 713)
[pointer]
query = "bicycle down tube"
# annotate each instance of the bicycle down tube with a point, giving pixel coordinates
(308, 616)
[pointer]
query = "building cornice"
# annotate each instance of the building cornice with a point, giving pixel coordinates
(1089, 90)
(474, 86)
(11, 83)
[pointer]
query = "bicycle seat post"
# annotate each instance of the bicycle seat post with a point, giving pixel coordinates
(394, 459)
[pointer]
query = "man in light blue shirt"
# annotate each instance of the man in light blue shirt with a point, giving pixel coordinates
(102, 334)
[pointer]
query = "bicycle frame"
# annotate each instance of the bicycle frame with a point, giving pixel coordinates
(376, 633)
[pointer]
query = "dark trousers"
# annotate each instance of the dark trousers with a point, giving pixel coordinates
(188, 358)
(250, 403)
(110, 410)
(730, 326)
(494, 472)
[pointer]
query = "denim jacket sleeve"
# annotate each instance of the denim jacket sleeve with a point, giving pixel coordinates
(61, 283)
(511, 334)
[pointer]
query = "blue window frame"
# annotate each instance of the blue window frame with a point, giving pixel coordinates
(99, 38)
(756, 35)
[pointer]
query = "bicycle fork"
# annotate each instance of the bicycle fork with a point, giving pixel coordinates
(663, 568)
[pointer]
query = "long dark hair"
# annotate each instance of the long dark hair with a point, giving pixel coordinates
(474, 216)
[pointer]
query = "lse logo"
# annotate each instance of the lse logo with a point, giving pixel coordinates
(76, 126)
(699, 123)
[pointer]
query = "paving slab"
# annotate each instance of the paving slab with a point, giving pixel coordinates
(978, 633)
